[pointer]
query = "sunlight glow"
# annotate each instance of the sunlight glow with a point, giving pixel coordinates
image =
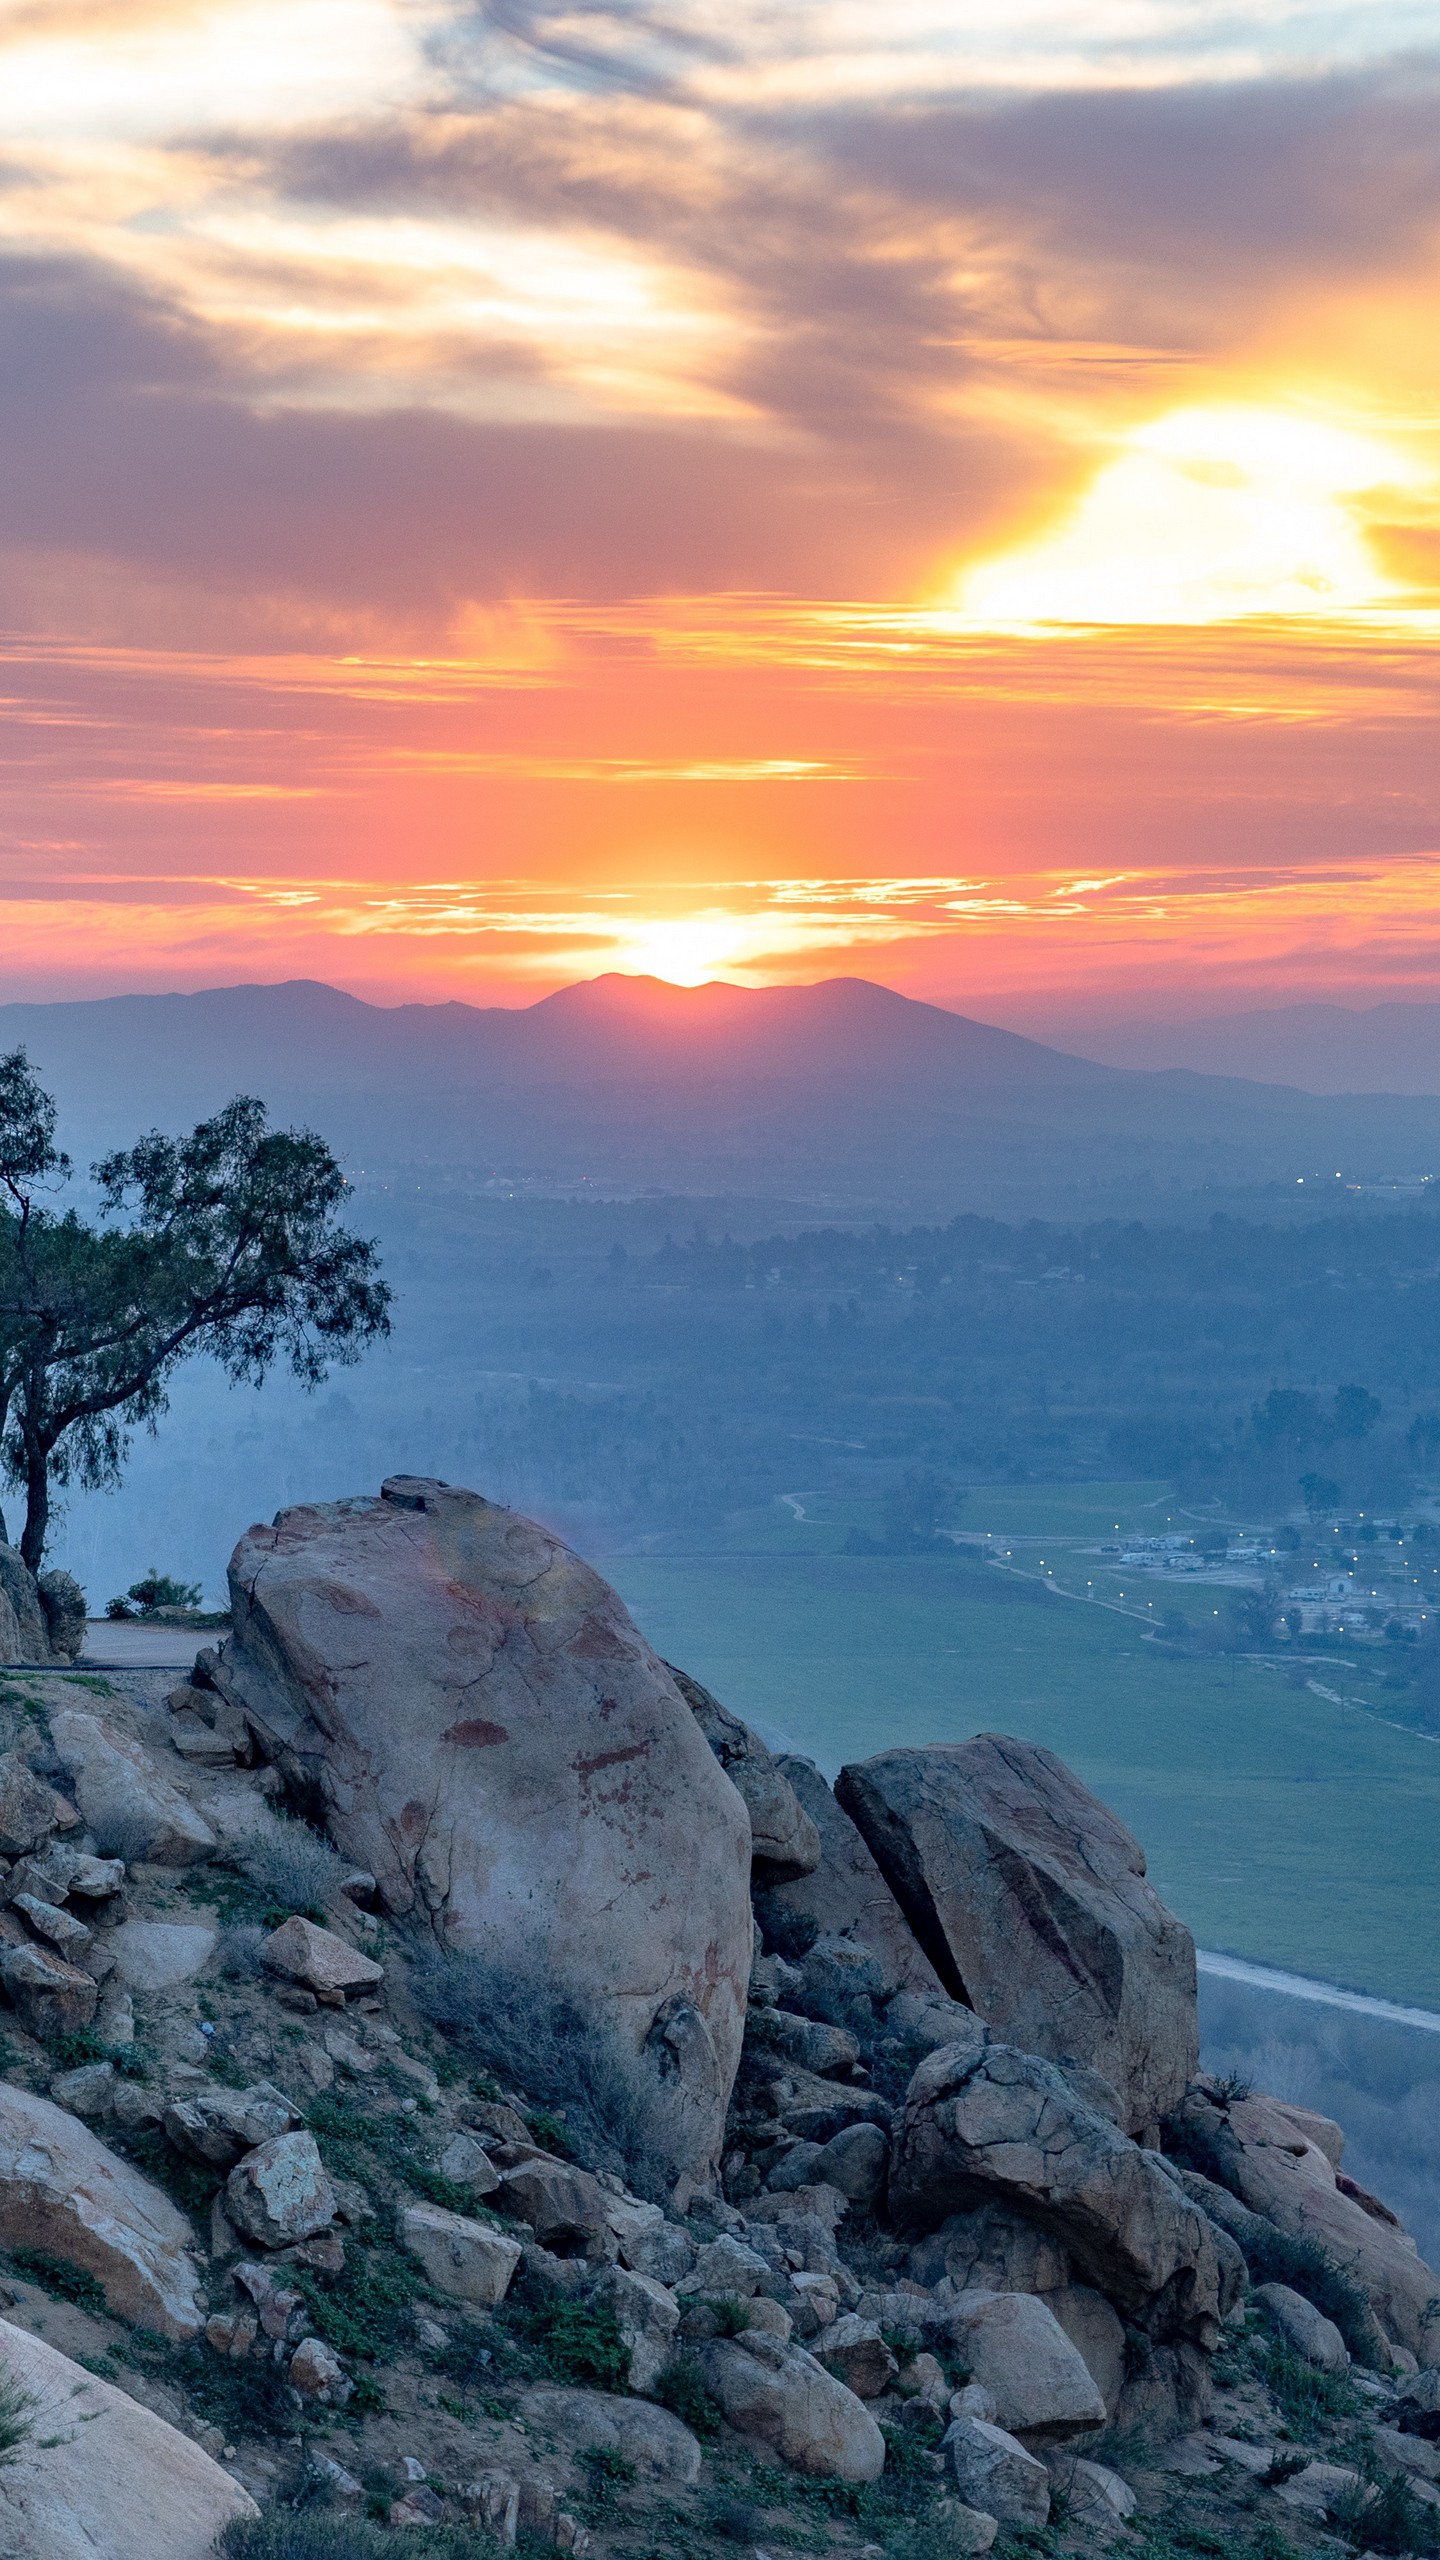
(1208, 514)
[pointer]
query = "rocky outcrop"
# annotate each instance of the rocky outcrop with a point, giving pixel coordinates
(1303, 2327)
(41, 1622)
(467, 2261)
(1031, 1901)
(100, 2475)
(985, 2123)
(1016, 2348)
(784, 1842)
(846, 1896)
(993, 2472)
(499, 1747)
(1263, 2153)
(62, 2191)
(657, 2444)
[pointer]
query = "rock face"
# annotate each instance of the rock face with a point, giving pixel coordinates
(128, 1805)
(995, 2473)
(466, 2260)
(1304, 2328)
(500, 1748)
(1032, 1904)
(847, 1896)
(657, 2443)
(985, 2123)
(1262, 2152)
(62, 2191)
(279, 2192)
(784, 1842)
(778, 2397)
(100, 2475)
(320, 1961)
(40, 1622)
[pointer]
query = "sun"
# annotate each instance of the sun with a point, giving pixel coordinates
(1206, 515)
(687, 949)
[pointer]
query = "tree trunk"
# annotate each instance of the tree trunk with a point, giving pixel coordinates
(37, 1503)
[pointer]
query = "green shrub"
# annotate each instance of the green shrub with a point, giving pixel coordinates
(245, 2398)
(64, 2282)
(684, 2391)
(607, 2473)
(732, 2316)
(1309, 2401)
(576, 2341)
(1389, 2518)
(1277, 2257)
(17, 2417)
(356, 2313)
(312, 2534)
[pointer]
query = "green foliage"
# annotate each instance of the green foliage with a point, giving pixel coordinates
(192, 2184)
(1278, 2257)
(357, 2313)
(684, 2391)
(66, 2283)
(607, 2473)
(17, 2418)
(249, 2397)
(732, 2316)
(577, 2341)
(312, 2534)
(1388, 2518)
(1310, 2402)
(152, 1593)
(786, 1932)
(549, 2131)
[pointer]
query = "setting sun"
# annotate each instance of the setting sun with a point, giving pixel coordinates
(1208, 514)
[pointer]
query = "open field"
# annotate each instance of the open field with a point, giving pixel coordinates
(1284, 1826)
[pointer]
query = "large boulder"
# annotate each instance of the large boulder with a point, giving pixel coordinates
(41, 1621)
(846, 1896)
(1264, 2153)
(996, 2474)
(784, 1842)
(1017, 2349)
(659, 2445)
(1031, 1901)
(498, 1745)
(780, 2400)
(101, 2478)
(64, 2192)
(983, 2122)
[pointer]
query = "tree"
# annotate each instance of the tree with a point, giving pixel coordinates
(1321, 1493)
(1356, 1413)
(918, 1507)
(225, 1242)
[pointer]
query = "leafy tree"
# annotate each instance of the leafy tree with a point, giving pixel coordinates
(1287, 1419)
(918, 1507)
(1356, 1413)
(226, 1242)
(1253, 1614)
(1321, 1494)
(154, 1591)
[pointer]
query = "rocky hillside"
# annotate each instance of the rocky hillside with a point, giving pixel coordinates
(461, 2093)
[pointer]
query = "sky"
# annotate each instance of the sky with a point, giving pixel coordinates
(494, 493)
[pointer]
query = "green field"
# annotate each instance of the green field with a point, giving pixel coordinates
(1284, 1827)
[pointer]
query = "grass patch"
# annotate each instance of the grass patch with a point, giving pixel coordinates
(311, 2534)
(62, 2282)
(1388, 2518)
(1310, 2402)
(248, 2398)
(684, 2391)
(356, 2313)
(192, 2184)
(575, 2341)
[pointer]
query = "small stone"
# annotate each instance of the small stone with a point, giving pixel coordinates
(318, 1960)
(200, 1742)
(996, 2474)
(967, 2529)
(135, 2108)
(29, 1810)
(280, 2309)
(494, 2502)
(1303, 2327)
(411, 2468)
(47, 1919)
(279, 2192)
(430, 2335)
(52, 1999)
(923, 2378)
(856, 2353)
(115, 2020)
(465, 2164)
(342, 2484)
(418, 2506)
(317, 2374)
(571, 2535)
(85, 2092)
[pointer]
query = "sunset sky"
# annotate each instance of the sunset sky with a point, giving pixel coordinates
(946, 493)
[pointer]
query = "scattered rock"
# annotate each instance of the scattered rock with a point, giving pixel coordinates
(279, 2192)
(63, 2191)
(1032, 1904)
(86, 2092)
(104, 2478)
(122, 1795)
(320, 1961)
(466, 2164)
(775, 2395)
(854, 2350)
(996, 2474)
(1319, 2487)
(564, 2206)
(658, 2445)
(1017, 2349)
(52, 1998)
(1307, 2330)
(468, 2261)
(219, 2125)
(855, 2160)
(158, 1955)
(279, 2308)
(49, 1921)
(29, 1810)
(1097, 2495)
(784, 1843)
(418, 2506)
(967, 2530)
(1005, 2124)
(646, 2241)
(504, 1744)
(494, 2502)
(317, 2373)
(647, 2316)
(806, 2041)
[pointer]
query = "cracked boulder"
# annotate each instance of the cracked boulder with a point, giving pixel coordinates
(846, 1896)
(1032, 1903)
(988, 2124)
(784, 1842)
(499, 1747)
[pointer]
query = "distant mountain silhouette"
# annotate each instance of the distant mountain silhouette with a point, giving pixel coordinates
(842, 1093)
(1324, 1048)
